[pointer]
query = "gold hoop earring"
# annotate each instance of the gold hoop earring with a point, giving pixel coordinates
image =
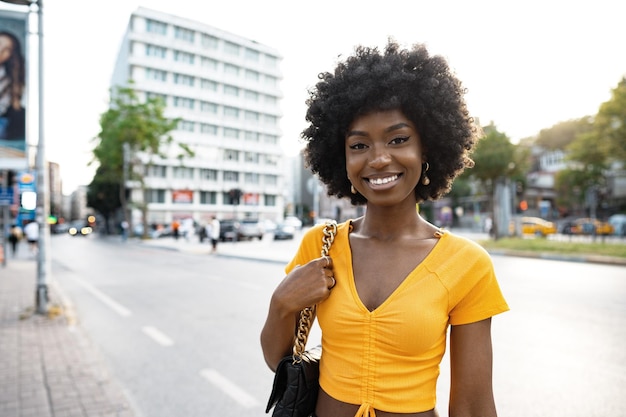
(425, 179)
(352, 189)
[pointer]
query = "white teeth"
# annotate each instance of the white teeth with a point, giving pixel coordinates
(381, 181)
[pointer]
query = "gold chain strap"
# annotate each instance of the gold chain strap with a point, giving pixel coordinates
(307, 316)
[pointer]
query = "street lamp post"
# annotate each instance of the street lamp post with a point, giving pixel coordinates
(43, 196)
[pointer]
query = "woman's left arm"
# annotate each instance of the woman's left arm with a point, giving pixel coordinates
(471, 388)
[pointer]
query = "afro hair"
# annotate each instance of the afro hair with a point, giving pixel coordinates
(422, 86)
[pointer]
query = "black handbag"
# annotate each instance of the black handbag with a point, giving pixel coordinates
(296, 382)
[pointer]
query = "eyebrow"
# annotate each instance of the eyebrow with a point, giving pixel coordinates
(387, 130)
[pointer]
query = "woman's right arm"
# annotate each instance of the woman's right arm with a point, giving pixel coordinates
(304, 286)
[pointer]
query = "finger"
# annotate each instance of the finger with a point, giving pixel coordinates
(332, 283)
(326, 261)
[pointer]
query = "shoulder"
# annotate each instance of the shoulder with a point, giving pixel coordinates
(458, 255)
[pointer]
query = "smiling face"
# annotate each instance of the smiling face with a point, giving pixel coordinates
(384, 157)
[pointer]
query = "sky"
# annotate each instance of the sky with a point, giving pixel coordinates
(526, 65)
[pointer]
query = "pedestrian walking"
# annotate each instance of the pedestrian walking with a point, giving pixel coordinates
(15, 234)
(31, 231)
(214, 233)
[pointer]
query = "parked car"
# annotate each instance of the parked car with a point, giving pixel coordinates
(293, 221)
(250, 229)
(229, 230)
(284, 231)
(589, 226)
(618, 221)
(79, 228)
(537, 226)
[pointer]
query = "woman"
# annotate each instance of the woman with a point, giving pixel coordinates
(12, 114)
(390, 130)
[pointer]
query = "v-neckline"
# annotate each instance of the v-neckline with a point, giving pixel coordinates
(440, 234)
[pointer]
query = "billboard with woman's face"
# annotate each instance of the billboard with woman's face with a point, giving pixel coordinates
(13, 32)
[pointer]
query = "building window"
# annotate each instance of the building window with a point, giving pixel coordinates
(208, 129)
(183, 79)
(153, 26)
(184, 102)
(208, 84)
(270, 180)
(251, 157)
(156, 171)
(231, 69)
(209, 41)
(155, 51)
(269, 200)
(156, 96)
(251, 116)
(273, 139)
(251, 178)
(271, 61)
(271, 160)
(270, 120)
(229, 132)
(154, 74)
(231, 155)
(251, 95)
(209, 63)
(252, 136)
(187, 126)
(183, 173)
(207, 107)
(208, 197)
(183, 34)
(271, 81)
(252, 55)
(252, 75)
(155, 196)
(208, 174)
(231, 48)
(231, 176)
(271, 100)
(231, 112)
(184, 57)
(231, 90)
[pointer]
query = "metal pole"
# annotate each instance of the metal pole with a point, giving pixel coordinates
(43, 197)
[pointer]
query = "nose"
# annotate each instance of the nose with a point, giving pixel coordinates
(380, 157)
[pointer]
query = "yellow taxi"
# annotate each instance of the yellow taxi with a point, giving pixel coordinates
(537, 226)
(589, 226)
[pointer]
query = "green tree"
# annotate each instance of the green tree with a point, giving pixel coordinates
(610, 124)
(103, 195)
(133, 127)
(497, 159)
(562, 134)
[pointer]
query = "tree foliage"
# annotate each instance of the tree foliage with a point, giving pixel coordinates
(142, 128)
(562, 134)
(610, 124)
(494, 156)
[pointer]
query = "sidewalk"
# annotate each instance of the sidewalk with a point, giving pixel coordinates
(48, 367)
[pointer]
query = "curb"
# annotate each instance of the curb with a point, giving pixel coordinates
(595, 259)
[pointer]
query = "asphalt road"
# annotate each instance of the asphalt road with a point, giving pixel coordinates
(181, 331)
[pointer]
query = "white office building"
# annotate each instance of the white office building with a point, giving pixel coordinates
(225, 89)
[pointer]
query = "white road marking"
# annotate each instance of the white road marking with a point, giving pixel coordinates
(157, 336)
(229, 388)
(115, 306)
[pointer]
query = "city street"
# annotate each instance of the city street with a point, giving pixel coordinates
(180, 330)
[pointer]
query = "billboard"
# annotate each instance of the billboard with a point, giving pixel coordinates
(13, 60)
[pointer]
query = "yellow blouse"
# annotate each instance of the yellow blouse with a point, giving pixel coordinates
(388, 359)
